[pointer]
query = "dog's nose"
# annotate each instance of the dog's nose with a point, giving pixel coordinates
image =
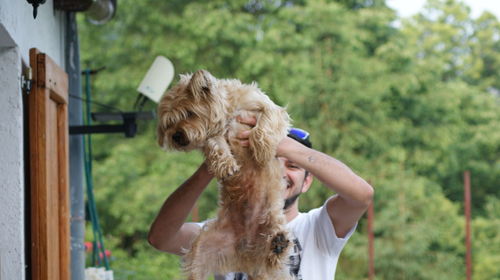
(180, 139)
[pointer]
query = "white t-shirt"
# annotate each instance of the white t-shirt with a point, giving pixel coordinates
(316, 247)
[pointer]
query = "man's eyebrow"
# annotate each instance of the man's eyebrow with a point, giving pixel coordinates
(293, 163)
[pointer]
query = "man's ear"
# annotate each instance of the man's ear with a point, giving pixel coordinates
(307, 182)
(201, 84)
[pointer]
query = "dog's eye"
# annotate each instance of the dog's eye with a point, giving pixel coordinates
(190, 114)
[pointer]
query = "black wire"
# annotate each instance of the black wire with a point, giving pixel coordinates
(93, 71)
(144, 100)
(138, 100)
(96, 103)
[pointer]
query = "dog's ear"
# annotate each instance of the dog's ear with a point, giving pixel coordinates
(201, 84)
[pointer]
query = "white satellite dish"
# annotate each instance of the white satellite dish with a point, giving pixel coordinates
(157, 79)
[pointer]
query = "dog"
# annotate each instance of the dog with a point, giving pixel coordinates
(249, 234)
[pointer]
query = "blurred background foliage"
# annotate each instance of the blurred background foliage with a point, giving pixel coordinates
(408, 104)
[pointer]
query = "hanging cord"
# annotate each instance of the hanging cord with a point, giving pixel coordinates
(98, 243)
(139, 102)
(96, 103)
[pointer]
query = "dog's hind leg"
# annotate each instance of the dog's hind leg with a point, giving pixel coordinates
(212, 252)
(278, 254)
(273, 276)
(192, 262)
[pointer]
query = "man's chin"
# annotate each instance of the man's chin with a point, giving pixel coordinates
(289, 201)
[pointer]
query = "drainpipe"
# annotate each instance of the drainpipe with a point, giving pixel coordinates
(75, 151)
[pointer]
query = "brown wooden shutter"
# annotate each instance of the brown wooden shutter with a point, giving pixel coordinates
(48, 156)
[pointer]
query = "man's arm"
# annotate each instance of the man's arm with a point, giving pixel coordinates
(169, 232)
(354, 193)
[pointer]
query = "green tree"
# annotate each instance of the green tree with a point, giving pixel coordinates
(408, 108)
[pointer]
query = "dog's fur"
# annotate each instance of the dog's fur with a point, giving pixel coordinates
(249, 234)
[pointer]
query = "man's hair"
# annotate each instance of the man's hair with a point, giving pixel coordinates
(302, 137)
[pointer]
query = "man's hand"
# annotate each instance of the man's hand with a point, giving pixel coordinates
(243, 135)
(286, 145)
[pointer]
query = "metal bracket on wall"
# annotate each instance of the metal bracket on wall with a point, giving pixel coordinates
(26, 80)
(129, 126)
(73, 5)
(35, 4)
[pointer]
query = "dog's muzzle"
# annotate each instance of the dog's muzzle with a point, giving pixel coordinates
(180, 139)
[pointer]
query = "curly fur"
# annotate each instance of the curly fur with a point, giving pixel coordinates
(249, 234)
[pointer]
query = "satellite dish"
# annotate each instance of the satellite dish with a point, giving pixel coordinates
(157, 79)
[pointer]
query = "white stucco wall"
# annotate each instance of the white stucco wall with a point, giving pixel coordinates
(46, 32)
(18, 33)
(11, 167)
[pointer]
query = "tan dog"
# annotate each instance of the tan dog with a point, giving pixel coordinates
(249, 234)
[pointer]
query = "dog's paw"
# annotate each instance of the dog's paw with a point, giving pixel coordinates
(227, 169)
(279, 243)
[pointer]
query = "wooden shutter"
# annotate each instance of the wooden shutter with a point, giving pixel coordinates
(48, 159)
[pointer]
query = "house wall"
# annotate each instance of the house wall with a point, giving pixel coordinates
(18, 33)
(46, 32)
(11, 167)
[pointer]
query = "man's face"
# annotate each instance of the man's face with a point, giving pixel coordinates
(295, 177)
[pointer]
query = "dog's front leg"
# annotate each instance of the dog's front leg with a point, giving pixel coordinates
(221, 162)
(271, 128)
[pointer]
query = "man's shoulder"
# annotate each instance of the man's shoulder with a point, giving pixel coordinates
(311, 215)
(305, 223)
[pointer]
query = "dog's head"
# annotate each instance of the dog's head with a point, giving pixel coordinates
(191, 112)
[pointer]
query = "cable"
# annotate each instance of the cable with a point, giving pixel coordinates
(98, 243)
(96, 103)
(139, 102)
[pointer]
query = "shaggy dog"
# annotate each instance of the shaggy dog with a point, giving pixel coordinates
(249, 234)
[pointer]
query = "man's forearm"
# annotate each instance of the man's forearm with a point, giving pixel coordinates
(330, 171)
(177, 207)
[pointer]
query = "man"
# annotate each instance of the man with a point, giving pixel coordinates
(319, 234)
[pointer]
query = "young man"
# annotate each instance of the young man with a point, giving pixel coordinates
(320, 234)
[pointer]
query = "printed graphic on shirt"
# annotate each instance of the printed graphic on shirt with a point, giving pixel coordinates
(294, 264)
(295, 258)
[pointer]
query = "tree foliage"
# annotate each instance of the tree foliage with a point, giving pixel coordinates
(408, 108)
